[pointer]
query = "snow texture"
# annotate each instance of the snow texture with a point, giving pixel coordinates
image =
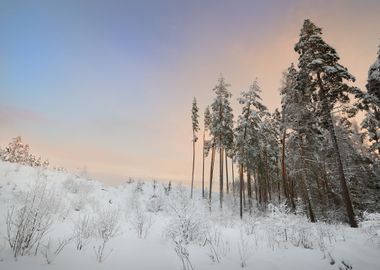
(149, 225)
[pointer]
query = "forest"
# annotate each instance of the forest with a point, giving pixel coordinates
(310, 153)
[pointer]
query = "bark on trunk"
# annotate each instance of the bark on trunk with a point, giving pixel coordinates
(227, 185)
(249, 188)
(305, 190)
(203, 166)
(241, 189)
(283, 170)
(221, 177)
(192, 172)
(211, 171)
(343, 183)
(233, 176)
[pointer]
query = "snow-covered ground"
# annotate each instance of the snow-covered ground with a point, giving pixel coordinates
(147, 226)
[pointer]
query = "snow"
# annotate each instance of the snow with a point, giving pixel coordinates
(374, 71)
(272, 240)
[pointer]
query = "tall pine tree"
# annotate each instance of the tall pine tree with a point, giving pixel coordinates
(247, 134)
(326, 80)
(221, 128)
(371, 104)
(195, 127)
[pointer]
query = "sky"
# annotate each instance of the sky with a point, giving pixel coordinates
(106, 86)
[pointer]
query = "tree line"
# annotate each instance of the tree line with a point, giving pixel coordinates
(309, 153)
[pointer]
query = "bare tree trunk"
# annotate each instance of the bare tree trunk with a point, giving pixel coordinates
(305, 190)
(233, 176)
(227, 185)
(291, 193)
(249, 189)
(241, 189)
(283, 169)
(221, 177)
(211, 171)
(256, 191)
(343, 183)
(192, 173)
(244, 200)
(203, 166)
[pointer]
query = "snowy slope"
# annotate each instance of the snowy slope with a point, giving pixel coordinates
(172, 228)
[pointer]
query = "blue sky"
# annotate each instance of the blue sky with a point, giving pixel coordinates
(108, 85)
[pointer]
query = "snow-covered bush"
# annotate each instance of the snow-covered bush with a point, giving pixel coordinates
(28, 223)
(105, 228)
(278, 224)
(183, 253)
(80, 189)
(53, 248)
(371, 226)
(140, 219)
(244, 249)
(139, 187)
(218, 247)
(82, 232)
(18, 152)
(155, 203)
(187, 221)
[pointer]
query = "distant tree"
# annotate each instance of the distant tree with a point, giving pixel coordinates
(325, 79)
(195, 127)
(18, 152)
(221, 126)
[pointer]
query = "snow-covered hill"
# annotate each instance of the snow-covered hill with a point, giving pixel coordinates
(56, 220)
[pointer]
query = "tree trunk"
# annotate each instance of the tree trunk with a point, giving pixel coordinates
(241, 189)
(227, 186)
(343, 183)
(342, 178)
(283, 169)
(203, 166)
(192, 173)
(305, 191)
(233, 176)
(255, 183)
(249, 189)
(221, 177)
(211, 171)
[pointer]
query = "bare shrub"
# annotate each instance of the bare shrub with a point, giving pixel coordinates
(105, 228)
(53, 248)
(141, 221)
(183, 254)
(218, 248)
(28, 223)
(187, 221)
(245, 249)
(371, 226)
(83, 230)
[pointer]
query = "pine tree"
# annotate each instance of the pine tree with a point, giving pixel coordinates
(247, 134)
(221, 128)
(371, 104)
(325, 79)
(289, 109)
(206, 128)
(195, 127)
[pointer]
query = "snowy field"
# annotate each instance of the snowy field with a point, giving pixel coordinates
(57, 220)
